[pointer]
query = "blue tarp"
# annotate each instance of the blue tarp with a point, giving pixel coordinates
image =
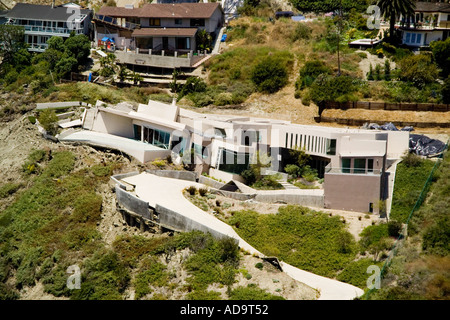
(224, 37)
(298, 18)
(104, 39)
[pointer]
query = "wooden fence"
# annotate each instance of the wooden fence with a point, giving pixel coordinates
(384, 106)
(360, 122)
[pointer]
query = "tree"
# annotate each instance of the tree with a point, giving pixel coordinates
(387, 70)
(123, 73)
(65, 65)
(78, 47)
(270, 75)
(446, 91)
(56, 43)
(310, 71)
(329, 5)
(441, 52)
(108, 65)
(392, 9)
(330, 88)
(418, 69)
(204, 40)
(11, 40)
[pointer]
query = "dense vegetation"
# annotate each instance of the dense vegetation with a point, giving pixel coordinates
(419, 270)
(411, 175)
(52, 224)
(309, 240)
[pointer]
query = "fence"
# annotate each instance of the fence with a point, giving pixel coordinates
(360, 122)
(402, 235)
(384, 106)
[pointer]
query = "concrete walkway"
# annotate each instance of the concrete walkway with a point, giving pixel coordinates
(168, 193)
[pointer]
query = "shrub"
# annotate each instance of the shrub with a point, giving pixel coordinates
(270, 75)
(301, 32)
(203, 191)
(418, 69)
(259, 265)
(292, 170)
(329, 88)
(394, 228)
(48, 120)
(310, 71)
(9, 189)
(192, 190)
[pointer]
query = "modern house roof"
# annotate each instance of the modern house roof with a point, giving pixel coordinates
(164, 10)
(43, 12)
(164, 32)
(432, 7)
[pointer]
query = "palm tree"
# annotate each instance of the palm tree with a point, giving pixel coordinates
(392, 9)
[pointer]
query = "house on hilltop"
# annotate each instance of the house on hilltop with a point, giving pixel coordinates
(41, 22)
(430, 22)
(354, 163)
(158, 34)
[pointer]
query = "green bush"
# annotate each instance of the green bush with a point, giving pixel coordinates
(301, 32)
(8, 189)
(310, 71)
(48, 120)
(418, 69)
(298, 236)
(292, 170)
(192, 190)
(270, 75)
(329, 88)
(356, 272)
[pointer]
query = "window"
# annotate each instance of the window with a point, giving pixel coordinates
(178, 21)
(178, 144)
(408, 37)
(183, 43)
(200, 150)
(413, 38)
(292, 139)
(359, 166)
(370, 165)
(233, 162)
(154, 22)
(286, 143)
(137, 132)
(419, 38)
(197, 22)
(331, 147)
(249, 137)
(157, 137)
(346, 165)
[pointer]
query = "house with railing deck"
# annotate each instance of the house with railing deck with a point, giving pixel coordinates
(41, 22)
(158, 34)
(430, 22)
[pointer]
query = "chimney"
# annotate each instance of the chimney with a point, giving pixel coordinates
(53, 4)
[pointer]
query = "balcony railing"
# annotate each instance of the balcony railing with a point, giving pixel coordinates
(424, 25)
(343, 170)
(37, 47)
(52, 30)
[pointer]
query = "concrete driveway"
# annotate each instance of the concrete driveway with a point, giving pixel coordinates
(168, 193)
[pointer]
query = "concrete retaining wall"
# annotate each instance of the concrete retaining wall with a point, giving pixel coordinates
(210, 182)
(173, 220)
(233, 195)
(117, 177)
(304, 200)
(175, 174)
(133, 203)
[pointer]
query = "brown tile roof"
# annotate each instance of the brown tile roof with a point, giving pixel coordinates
(164, 10)
(179, 10)
(119, 12)
(164, 32)
(432, 7)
